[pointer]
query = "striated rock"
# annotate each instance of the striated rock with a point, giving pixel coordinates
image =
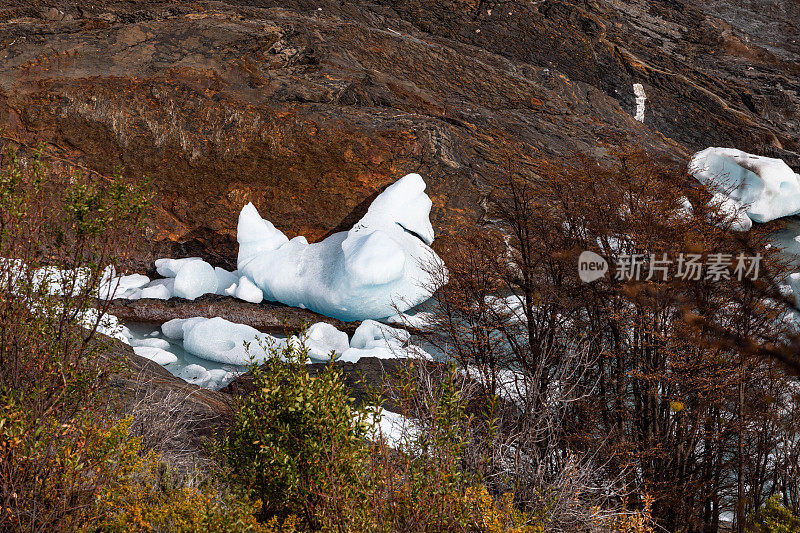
(310, 109)
(267, 317)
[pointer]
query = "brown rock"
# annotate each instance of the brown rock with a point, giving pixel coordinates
(266, 316)
(310, 113)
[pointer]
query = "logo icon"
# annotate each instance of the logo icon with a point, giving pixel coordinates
(591, 267)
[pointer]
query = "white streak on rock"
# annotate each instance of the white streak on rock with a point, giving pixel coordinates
(638, 90)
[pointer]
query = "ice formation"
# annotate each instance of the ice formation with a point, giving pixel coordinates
(323, 338)
(685, 212)
(214, 378)
(195, 279)
(383, 265)
(216, 339)
(169, 268)
(189, 278)
(379, 267)
(157, 355)
(373, 339)
(734, 217)
(397, 430)
(112, 286)
(244, 289)
(763, 187)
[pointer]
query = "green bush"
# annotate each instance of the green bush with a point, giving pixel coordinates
(773, 518)
(296, 440)
(58, 232)
(299, 445)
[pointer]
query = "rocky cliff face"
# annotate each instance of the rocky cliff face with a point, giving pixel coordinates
(309, 109)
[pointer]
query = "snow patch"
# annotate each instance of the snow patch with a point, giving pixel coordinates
(641, 97)
(763, 187)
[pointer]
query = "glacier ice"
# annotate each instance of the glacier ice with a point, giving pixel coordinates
(374, 339)
(382, 266)
(215, 378)
(733, 215)
(244, 289)
(685, 212)
(169, 268)
(323, 338)
(107, 324)
(224, 279)
(188, 278)
(397, 430)
(764, 187)
(195, 279)
(175, 328)
(153, 343)
(155, 354)
(216, 339)
(160, 289)
(379, 267)
(113, 286)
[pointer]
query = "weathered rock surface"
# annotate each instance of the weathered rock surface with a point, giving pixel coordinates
(308, 109)
(267, 317)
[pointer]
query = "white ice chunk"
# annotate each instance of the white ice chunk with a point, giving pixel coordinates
(225, 279)
(195, 374)
(122, 286)
(195, 279)
(174, 328)
(218, 378)
(323, 338)
(685, 212)
(381, 266)
(373, 339)
(169, 268)
(216, 339)
(732, 212)
(396, 429)
(153, 343)
(57, 281)
(245, 290)
(510, 308)
(107, 324)
(371, 334)
(159, 289)
(155, 354)
(256, 235)
(767, 188)
(156, 292)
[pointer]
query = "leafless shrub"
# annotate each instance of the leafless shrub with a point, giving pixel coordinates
(164, 421)
(621, 392)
